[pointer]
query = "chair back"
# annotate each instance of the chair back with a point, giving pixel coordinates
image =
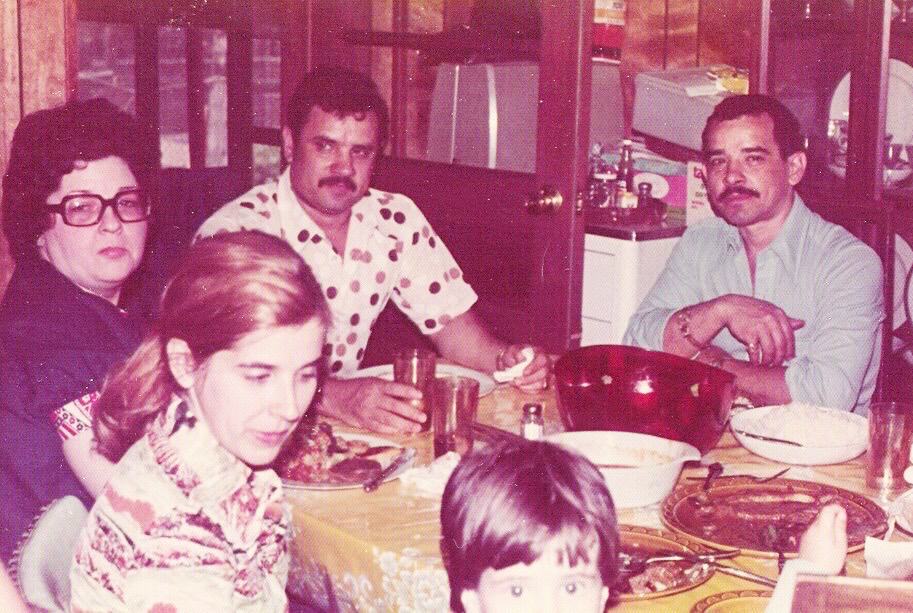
(41, 564)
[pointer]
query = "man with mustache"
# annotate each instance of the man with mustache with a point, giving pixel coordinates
(365, 247)
(788, 302)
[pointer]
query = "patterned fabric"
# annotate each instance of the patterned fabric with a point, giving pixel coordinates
(814, 270)
(183, 526)
(76, 416)
(391, 253)
(57, 344)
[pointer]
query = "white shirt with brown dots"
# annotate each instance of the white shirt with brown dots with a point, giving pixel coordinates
(391, 253)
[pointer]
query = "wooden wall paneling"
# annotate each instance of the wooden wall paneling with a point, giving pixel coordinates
(239, 85)
(456, 13)
(726, 32)
(196, 98)
(296, 47)
(48, 52)
(37, 70)
(659, 34)
(330, 19)
(399, 93)
(10, 105)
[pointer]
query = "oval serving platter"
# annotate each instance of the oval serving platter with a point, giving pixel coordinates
(739, 513)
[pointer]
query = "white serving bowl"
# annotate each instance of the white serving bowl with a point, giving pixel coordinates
(639, 469)
(807, 454)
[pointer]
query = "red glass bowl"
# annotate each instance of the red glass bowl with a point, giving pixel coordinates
(616, 387)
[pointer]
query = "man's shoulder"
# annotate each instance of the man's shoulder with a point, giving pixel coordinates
(390, 211)
(835, 243)
(256, 209)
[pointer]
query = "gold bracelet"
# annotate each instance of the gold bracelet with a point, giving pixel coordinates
(684, 327)
(499, 359)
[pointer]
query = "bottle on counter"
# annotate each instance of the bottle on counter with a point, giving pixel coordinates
(533, 421)
(626, 165)
(644, 194)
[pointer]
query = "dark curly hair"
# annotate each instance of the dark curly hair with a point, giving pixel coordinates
(339, 91)
(787, 131)
(46, 146)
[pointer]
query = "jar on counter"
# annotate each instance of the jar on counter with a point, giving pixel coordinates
(533, 421)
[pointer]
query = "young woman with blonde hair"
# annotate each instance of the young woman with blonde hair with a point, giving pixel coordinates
(194, 518)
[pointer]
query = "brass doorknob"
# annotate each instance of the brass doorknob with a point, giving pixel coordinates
(546, 200)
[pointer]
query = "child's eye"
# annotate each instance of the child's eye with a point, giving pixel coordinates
(257, 377)
(516, 591)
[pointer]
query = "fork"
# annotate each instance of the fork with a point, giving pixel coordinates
(716, 470)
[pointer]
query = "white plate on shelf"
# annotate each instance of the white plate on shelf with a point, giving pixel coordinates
(900, 102)
(371, 440)
(385, 371)
(903, 260)
(752, 420)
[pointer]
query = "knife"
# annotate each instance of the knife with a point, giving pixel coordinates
(404, 456)
(769, 439)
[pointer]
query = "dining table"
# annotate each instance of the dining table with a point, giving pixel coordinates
(379, 551)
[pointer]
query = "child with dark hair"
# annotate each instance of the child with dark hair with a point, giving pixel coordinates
(528, 526)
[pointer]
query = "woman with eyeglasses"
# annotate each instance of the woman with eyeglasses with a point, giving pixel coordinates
(75, 214)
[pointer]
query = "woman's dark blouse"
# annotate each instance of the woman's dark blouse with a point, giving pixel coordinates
(57, 343)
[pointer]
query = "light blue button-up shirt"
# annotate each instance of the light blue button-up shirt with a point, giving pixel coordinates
(814, 270)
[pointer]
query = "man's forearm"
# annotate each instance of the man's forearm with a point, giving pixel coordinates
(762, 385)
(693, 327)
(465, 340)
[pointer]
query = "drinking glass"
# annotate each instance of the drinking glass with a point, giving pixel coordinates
(416, 367)
(890, 430)
(453, 401)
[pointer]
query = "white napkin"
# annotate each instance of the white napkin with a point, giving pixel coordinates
(511, 373)
(430, 480)
(888, 559)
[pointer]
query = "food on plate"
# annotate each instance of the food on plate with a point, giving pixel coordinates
(809, 425)
(766, 517)
(316, 454)
(658, 576)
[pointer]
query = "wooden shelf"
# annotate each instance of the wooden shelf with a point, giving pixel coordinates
(462, 45)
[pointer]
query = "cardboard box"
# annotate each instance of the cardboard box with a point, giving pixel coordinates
(697, 204)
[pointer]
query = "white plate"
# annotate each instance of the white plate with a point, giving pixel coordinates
(900, 102)
(373, 441)
(385, 371)
(807, 455)
(903, 260)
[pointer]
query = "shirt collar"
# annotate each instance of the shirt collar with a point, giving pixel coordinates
(788, 241)
(192, 457)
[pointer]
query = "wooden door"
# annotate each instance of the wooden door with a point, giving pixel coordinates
(525, 265)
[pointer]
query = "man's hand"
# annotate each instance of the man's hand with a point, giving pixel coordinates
(535, 375)
(767, 332)
(373, 404)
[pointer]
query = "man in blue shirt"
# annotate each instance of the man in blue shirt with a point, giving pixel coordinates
(790, 303)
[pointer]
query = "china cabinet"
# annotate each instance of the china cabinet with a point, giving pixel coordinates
(804, 49)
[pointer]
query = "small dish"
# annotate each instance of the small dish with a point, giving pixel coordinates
(641, 539)
(808, 454)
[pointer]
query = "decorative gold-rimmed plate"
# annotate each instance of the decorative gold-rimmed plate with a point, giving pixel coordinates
(736, 601)
(641, 540)
(764, 519)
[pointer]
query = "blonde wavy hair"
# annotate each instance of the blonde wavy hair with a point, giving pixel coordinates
(228, 286)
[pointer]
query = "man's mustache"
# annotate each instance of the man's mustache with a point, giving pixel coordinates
(738, 190)
(330, 181)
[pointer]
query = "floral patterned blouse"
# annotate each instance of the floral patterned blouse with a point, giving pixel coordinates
(391, 254)
(183, 525)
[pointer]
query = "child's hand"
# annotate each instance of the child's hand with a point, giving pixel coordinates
(824, 542)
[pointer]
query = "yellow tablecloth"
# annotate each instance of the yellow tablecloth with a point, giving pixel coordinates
(380, 551)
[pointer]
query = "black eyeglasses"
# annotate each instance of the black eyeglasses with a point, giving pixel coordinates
(130, 205)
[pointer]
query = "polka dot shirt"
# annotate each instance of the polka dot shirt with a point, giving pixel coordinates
(391, 254)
